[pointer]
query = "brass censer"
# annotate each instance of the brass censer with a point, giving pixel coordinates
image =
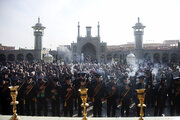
(141, 97)
(84, 97)
(14, 94)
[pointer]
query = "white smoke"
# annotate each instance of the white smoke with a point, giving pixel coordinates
(133, 66)
(65, 53)
(82, 58)
(78, 58)
(155, 69)
(72, 68)
(112, 61)
(133, 70)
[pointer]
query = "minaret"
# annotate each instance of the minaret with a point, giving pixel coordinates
(98, 26)
(78, 30)
(38, 33)
(138, 34)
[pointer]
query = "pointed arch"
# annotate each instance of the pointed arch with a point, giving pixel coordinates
(2, 57)
(11, 57)
(29, 57)
(89, 51)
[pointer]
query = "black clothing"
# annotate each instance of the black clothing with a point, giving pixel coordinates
(55, 90)
(5, 96)
(21, 97)
(30, 92)
(111, 98)
(149, 97)
(97, 91)
(160, 98)
(125, 98)
(42, 97)
(68, 97)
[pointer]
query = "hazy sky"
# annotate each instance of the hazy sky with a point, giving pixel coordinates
(60, 17)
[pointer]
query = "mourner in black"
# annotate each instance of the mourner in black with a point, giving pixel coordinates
(97, 94)
(141, 84)
(5, 94)
(42, 96)
(55, 89)
(125, 96)
(172, 96)
(149, 97)
(20, 82)
(111, 97)
(76, 85)
(68, 97)
(160, 96)
(30, 92)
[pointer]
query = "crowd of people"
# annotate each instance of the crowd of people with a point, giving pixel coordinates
(56, 85)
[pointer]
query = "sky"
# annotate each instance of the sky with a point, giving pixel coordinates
(60, 17)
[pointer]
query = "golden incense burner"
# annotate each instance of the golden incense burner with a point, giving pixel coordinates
(84, 96)
(14, 94)
(141, 97)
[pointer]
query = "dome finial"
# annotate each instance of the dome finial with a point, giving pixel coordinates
(138, 19)
(78, 30)
(98, 26)
(38, 19)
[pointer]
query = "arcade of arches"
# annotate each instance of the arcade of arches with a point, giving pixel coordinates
(18, 57)
(90, 54)
(156, 57)
(162, 58)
